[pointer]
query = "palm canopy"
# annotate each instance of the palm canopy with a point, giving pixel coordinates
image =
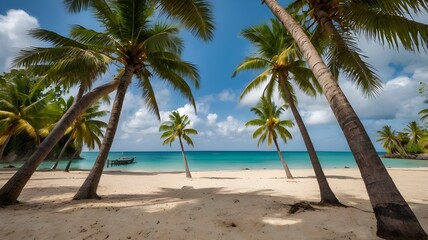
(196, 15)
(336, 24)
(129, 39)
(88, 129)
(391, 143)
(268, 121)
(277, 57)
(177, 127)
(414, 131)
(24, 107)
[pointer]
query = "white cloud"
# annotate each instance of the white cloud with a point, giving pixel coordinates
(212, 118)
(226, 96)
(14, 28)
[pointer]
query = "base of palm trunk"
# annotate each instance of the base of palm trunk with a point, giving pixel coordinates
(396, 221)
(333, 203)
(86, 193)
(5, 201)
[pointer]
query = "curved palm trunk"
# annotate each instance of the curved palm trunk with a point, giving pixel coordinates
(62, 152)
(89, 188)
(9, 193)
(188, 175)
(395, 219)
(327, 195)
(3, 147)
(78, 97)
(284, 164)
(67, 168)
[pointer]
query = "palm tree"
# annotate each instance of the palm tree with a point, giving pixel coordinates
(64, 63)
(395, 219)
(85, 130)
(177, 127)
(195, 14)
(337, 24)
(270, 127)
(414, 131)
(24, 108)
(280, 61)
(390, 140)
(143, 49)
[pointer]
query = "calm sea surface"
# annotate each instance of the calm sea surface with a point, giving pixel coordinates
(224, 160)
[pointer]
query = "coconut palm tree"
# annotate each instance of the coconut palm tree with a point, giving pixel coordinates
(270, 127)
(85, 130)
(144, 50)
(395, 219)
(338, 23)
(194, 14)
(414, 131)
(65, 63)
(279, 59)
(390, 140)
(177, 127)
(24, 108)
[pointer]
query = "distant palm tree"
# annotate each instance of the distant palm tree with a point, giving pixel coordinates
(414, 131)
(177, 127)
(270, 127)
(391, 143)
(24, 108)
(280, 61)
(86, 129)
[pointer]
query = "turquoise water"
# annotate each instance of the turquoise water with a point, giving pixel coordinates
(224, 160)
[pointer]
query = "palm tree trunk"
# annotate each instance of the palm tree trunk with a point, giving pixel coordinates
(284, 164)
(67, 168)
(327, 195)
(188, 175)
(89, 188)
(3, 147)
(62, 151)
(10, 192)
(395, 219)
(78, 97)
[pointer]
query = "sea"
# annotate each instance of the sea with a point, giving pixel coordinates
(167, 161)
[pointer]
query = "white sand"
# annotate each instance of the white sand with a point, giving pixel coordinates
(243, 204)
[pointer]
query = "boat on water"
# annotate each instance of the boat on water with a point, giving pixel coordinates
(121, 161)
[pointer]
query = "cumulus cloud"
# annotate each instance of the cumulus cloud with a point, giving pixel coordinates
(14, 28)
(226, 96)
(212, 118)
(399, 99)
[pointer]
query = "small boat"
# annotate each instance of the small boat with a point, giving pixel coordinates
(121, 161)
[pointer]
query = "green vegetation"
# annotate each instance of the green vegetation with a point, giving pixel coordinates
(270, 127)
(178, 127)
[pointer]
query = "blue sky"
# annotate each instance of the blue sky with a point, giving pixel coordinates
(221, 117)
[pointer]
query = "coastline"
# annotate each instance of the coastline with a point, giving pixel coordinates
(422, 156)
(230, 204)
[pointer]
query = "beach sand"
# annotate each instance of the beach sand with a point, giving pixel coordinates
(246, 204)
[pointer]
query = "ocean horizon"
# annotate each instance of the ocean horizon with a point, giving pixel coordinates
(163, 161)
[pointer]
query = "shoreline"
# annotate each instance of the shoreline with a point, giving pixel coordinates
(230, 204)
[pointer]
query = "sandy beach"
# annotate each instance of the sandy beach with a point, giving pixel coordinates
(246, 204)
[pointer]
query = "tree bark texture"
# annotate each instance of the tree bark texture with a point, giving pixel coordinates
(89, 188)
(62, 151)
(10, 192)
(186, 166)
(395, 219)
(327, 195)
(284, 164)
(3, 147)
